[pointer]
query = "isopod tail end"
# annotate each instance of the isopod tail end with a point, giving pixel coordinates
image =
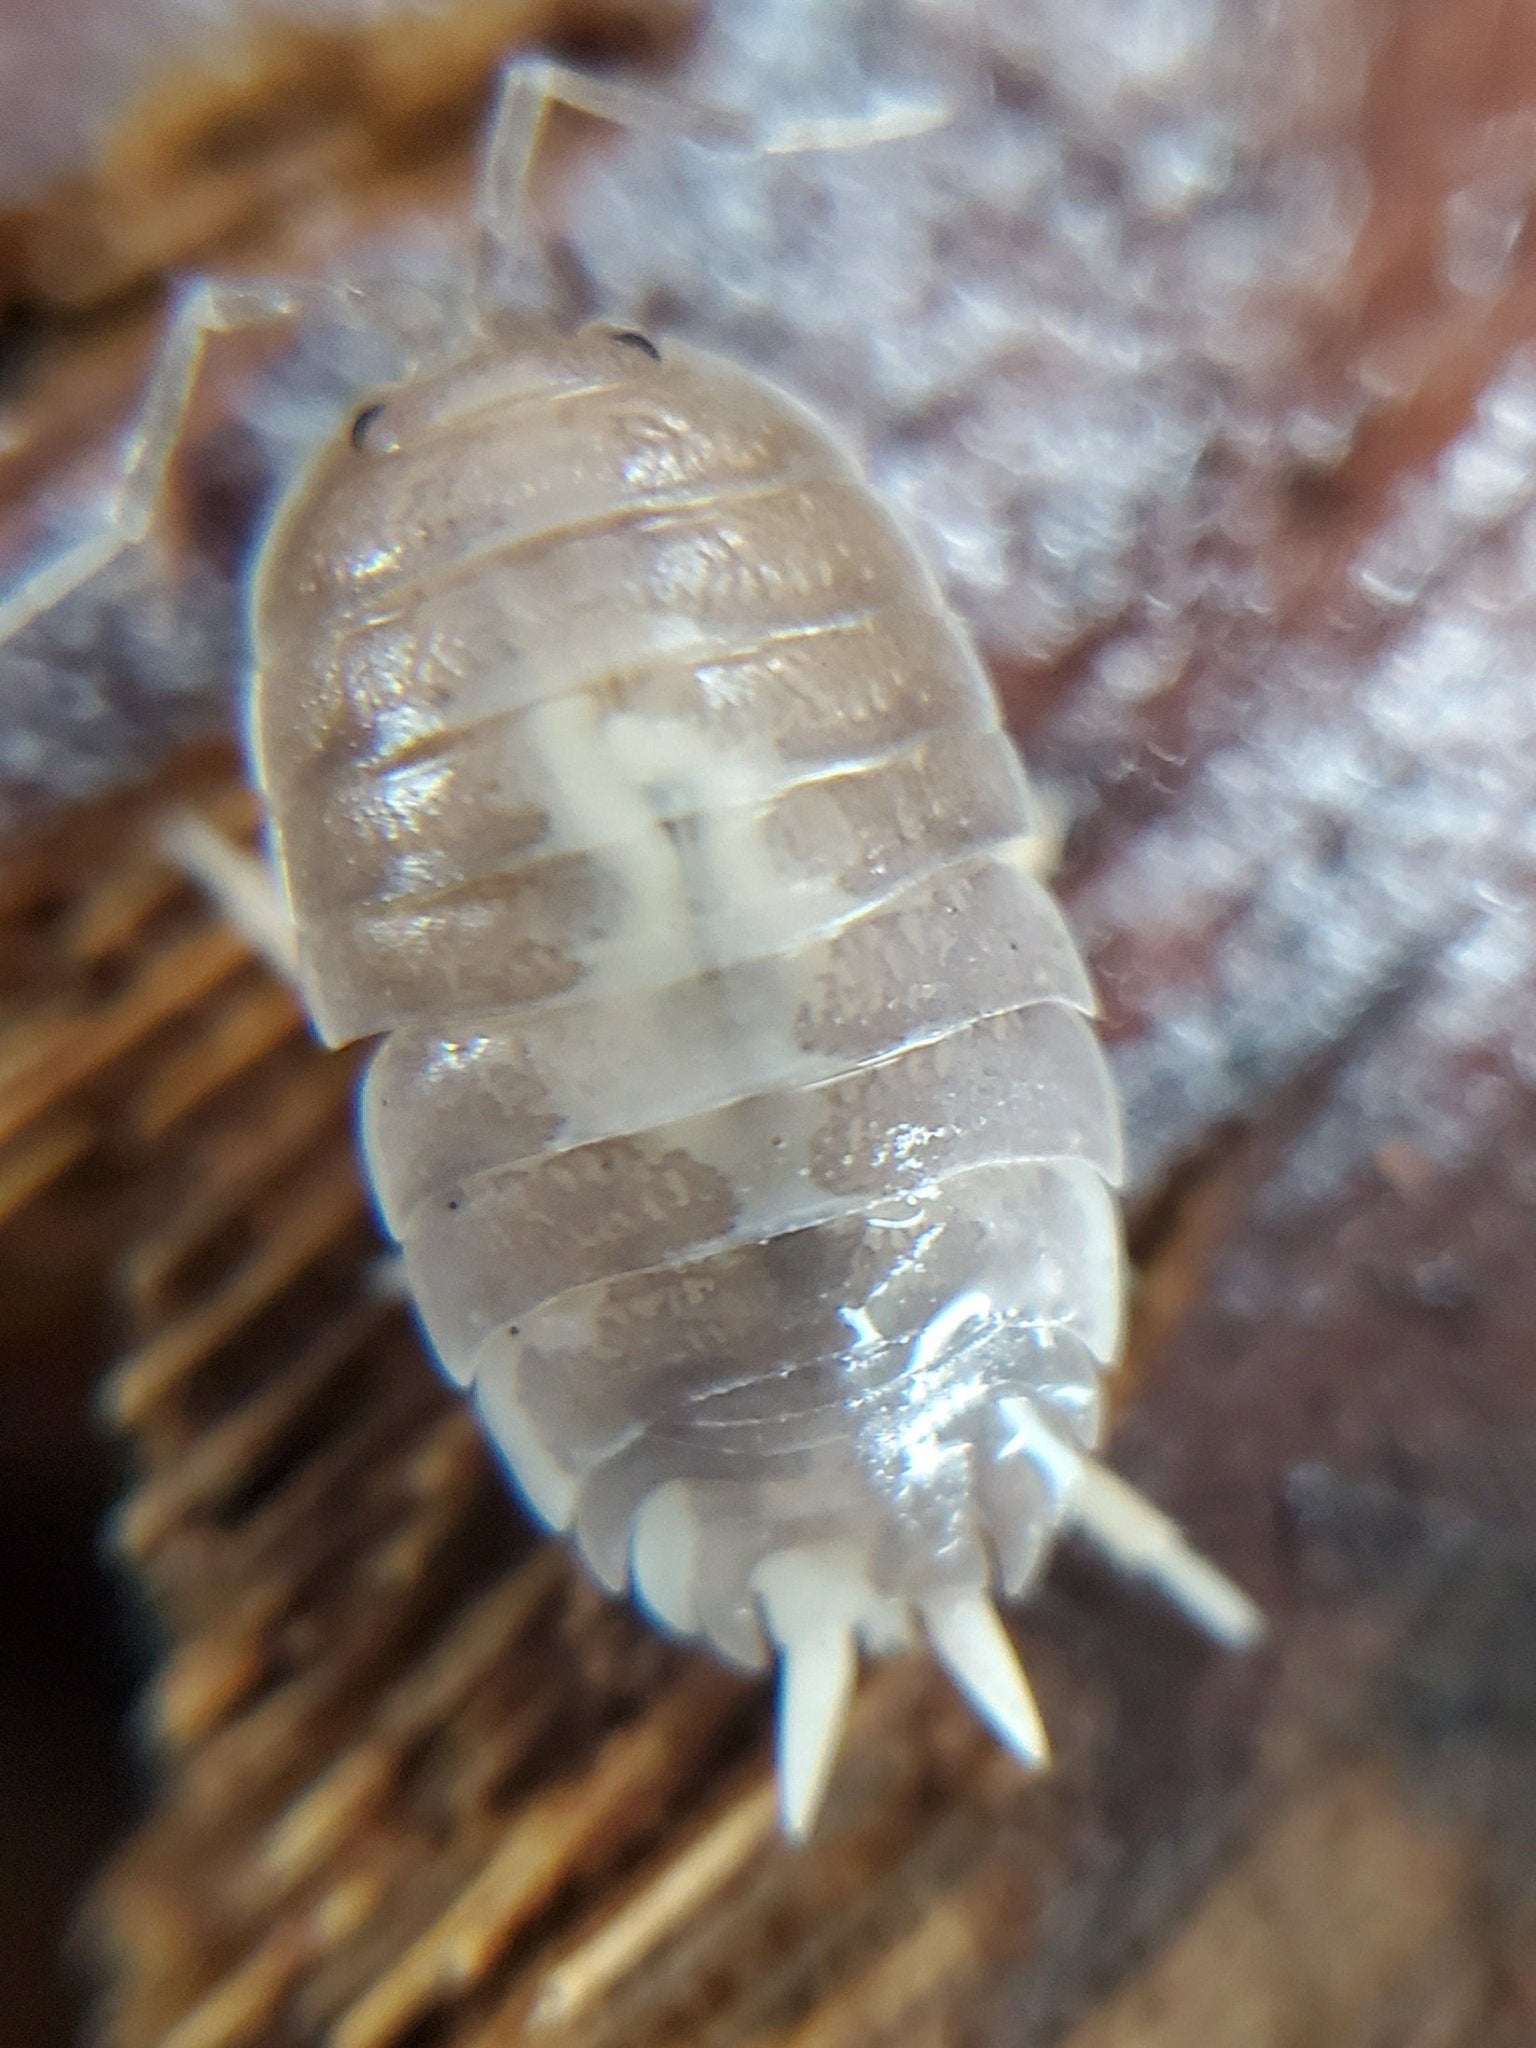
(973, 1646)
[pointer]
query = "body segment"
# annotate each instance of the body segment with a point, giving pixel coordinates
(734, 1100)
(737, 1110)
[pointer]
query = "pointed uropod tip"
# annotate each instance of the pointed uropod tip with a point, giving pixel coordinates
(973, 1646)
(1141, 1540)
(1227, 1614)
(814, 1601)
(816, 1679)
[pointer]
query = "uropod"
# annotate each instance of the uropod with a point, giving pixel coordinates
(735, 1104)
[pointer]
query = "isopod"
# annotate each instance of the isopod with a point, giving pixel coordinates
(735, 1105)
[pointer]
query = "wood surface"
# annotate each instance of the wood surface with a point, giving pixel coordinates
(412, 1782)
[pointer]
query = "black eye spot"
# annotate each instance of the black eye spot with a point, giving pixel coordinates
(643, 342)
(358, 435)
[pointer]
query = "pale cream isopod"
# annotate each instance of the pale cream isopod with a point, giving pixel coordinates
(736, 1106)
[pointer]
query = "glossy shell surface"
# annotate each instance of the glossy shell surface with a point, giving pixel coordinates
(736, 1105)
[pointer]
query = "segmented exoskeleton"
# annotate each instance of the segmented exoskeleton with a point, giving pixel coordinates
(736, 1105)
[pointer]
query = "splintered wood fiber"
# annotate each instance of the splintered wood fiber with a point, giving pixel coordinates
(1216, 405)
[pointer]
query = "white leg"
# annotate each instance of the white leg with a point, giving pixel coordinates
(1136, 1537)
(209, 306)
(242, 886)
(512, 271)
